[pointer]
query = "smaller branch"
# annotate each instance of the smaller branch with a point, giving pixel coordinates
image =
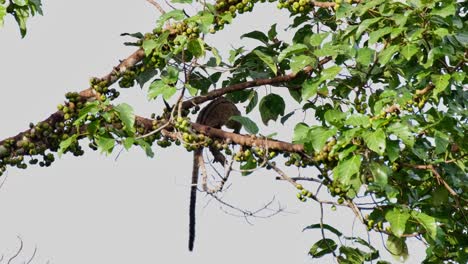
(17, 252)
(158, 6)
(301, 179)
(323, 4)
(322, 230)
(439, 179)
(3, 182)
(355, 210)
(242, 86)
(224, 179)
(246, 213)
(328, 4)
(247, 140)
(425, 90)
(32, 256)
(283, 175)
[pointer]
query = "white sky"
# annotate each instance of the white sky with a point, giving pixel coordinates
(94, 209)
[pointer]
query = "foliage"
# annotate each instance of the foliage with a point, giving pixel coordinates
(21, 10)
(384, 85)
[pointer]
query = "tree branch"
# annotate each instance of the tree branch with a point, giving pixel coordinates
(242, 86)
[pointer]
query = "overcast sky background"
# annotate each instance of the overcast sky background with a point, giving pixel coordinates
(94, 209)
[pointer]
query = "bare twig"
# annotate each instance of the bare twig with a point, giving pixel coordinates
(158, 6)
(283, 175)
(32, 256)
(246, 213)
(17, 252)
(302, 179)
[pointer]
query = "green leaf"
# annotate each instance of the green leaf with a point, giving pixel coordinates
(393, 150)
(149, 45)
(286, 117)
(409, 50)
(128, 142)
(301, 132)
(309, 88)
(196, 47)
(256, 35)
(291, 50)
(176, 14)
(445, 11)
(440, 196)
(428, 222)
(380, 173)
(64, 145)
(317, 39)
(357, 120)
(365, 24)
(403, 132)
(335, 117)
(374, 36)
(386, 54)
(2, 14)
(158, 87)
(250, 164)
(324, 226)
(21, 16)
(441, 83)
(170, 75)
(397, 247)
(353, 255)
(204, 21)
(146, 147)
(146, 75)
(441, 141)
(216, 55)
(441, 32)
(397, 219)
(247, 123)
(89, 108)
(268, 60)
(253, 97)
(376, 141)
(20, 2)
(299, 62)
(346, 169)
(271, 106)
(272, 32)
(322, 247)
(330, 73)
(327, 49)
(127, 117)
(318, 136)
(106, 144)
(365, 56)
(227, 16)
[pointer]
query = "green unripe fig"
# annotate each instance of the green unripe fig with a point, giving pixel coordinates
(3, 151)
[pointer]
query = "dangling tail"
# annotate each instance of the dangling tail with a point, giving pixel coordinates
(193, 199)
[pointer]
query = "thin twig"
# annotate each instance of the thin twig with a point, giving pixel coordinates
(17, 252)
(33, 255)
(158, 6)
